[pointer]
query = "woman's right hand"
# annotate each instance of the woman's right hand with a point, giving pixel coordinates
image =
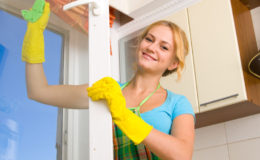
(33, 44)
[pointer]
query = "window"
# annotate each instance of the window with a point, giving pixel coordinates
(27, 128)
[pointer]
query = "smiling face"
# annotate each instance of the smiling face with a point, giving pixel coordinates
(156, 51)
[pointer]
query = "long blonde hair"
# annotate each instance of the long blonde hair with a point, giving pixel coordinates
(180, 42)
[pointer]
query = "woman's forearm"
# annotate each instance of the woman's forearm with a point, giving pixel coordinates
(168, 147)
(178, 145)
(66, 96)
(35, 79)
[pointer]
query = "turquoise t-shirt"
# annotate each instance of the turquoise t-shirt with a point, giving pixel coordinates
(161, 117)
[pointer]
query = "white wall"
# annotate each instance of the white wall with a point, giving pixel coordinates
(233, 140)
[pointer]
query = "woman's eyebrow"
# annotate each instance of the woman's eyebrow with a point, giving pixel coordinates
(149, 34)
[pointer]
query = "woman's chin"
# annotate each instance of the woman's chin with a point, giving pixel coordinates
(143, 67)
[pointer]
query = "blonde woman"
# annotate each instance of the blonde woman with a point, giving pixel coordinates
(150, 122)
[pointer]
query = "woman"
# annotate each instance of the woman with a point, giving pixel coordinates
(150, 121)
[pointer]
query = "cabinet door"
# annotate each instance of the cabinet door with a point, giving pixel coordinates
(186, 86)
(216, 55)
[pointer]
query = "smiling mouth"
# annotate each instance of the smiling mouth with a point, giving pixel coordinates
(148, 56)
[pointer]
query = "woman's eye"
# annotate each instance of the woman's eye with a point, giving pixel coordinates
(164, 48)
(148, 39)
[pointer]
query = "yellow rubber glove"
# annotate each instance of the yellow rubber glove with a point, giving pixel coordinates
(133, 126)
(33, 44)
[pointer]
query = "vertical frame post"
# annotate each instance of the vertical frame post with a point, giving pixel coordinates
(100, 122)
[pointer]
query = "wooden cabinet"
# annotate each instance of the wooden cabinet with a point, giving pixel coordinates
(222, 39)
(187, 84)
(217, 63)
(216, 80)
(251, 4)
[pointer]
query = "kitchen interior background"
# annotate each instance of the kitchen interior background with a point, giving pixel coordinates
(233, 140)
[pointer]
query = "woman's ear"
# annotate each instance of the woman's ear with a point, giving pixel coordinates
(173, 66)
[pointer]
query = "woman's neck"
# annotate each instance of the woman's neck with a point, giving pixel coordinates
(144, 82)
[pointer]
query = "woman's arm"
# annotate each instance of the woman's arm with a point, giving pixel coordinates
(179, 145)
(66, 96)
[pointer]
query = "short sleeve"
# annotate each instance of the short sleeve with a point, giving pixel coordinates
(182, 106)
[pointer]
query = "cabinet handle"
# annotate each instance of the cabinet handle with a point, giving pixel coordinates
(220, 99)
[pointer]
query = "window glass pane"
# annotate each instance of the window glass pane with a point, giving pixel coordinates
(27, 128)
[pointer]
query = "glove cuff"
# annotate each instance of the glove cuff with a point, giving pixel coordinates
(133, 126)
(33, 46)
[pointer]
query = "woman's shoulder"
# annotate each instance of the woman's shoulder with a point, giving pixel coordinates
(179, 103)
(174, 97)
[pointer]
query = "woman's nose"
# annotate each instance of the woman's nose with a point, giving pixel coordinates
(152, 47)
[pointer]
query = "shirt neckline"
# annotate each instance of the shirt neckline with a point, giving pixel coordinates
(163, 104)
